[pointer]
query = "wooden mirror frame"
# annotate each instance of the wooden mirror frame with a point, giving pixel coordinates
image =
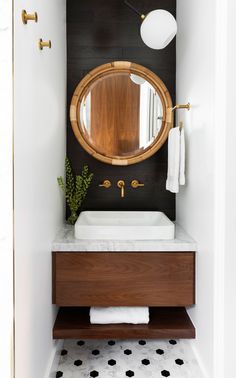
(121, 67)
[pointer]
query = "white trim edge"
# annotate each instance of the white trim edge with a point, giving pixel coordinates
(54, 360)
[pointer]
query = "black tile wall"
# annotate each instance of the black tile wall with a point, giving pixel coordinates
(101, 31)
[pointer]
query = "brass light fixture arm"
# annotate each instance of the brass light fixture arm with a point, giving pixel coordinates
(178, 106)
(134, 9)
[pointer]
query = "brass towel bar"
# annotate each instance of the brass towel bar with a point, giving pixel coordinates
(185, 106)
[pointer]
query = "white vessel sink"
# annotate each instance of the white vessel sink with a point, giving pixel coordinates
(124, 225)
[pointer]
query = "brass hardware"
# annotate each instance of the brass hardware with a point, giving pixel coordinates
(43, 44)
(135, 10)
(186, 106)
(106, 184)
(136, 184)
(121, 185)
(28, 17)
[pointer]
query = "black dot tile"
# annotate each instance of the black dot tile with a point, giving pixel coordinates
(145, 362)
(94, 373)
(59, 374)
(160, 351)
(127, 352)
(64, 352)
(95, 352)
(172, 342)
(111, 342)
(78, 363)
(80, 342)
(165, 373)
(178, 361)
(111, 362)
(129, 373)
(142, 342)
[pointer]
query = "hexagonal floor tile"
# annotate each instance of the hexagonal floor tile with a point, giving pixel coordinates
(165, 373)
(78, 363)
(145, 362)
(111, 362)
(59, 374)
(127, 352)
(178, 361)
(95, 352)
(160, 351)
(94, 373)
(129, 373)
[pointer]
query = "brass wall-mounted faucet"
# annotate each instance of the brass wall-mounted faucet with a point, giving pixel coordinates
(121, 185)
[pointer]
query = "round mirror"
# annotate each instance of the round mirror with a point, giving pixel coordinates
(121, 113)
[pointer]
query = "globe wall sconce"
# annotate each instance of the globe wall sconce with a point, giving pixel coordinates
(158, 27)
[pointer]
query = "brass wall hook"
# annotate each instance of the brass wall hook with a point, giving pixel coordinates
(28, 17)
(43, 44)
(185, 106)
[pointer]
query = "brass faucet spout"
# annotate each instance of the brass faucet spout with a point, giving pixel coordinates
(121, 185)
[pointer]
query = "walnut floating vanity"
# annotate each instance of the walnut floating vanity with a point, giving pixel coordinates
(159, 274)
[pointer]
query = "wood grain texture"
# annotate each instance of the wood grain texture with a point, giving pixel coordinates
(115, 116)
(53, 278)
(73, 323)
(98, 32)
(124, 279)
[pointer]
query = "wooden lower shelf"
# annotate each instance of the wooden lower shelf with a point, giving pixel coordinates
(165, 322)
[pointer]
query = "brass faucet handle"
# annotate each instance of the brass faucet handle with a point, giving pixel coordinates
(121, 185)
(106, 184)
(136, 184)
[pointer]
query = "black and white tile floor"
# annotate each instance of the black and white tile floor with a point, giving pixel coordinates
(118, 359)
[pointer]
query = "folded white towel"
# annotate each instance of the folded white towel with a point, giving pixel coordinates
(116, 315)
(176, 160)
(182, 158)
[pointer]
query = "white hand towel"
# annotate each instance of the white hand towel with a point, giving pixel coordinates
(182, 158)
(176, 160)
(117, 315)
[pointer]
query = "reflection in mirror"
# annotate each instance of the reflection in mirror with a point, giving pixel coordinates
(121, 114)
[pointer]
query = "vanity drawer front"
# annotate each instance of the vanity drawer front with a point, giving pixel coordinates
(123, 278)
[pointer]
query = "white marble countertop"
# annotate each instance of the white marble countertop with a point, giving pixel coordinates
(66, 242)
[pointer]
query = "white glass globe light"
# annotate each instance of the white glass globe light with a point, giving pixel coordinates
(158, 29)
(137, 79)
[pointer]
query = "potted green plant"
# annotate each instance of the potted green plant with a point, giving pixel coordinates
(75, 188)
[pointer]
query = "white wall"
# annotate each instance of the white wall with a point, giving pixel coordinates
(6, 193)
(195, 203)
(206, 207)
(40, 100)
(230, 216)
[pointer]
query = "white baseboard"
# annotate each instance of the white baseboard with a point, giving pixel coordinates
(192, 345)
(54, 360)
